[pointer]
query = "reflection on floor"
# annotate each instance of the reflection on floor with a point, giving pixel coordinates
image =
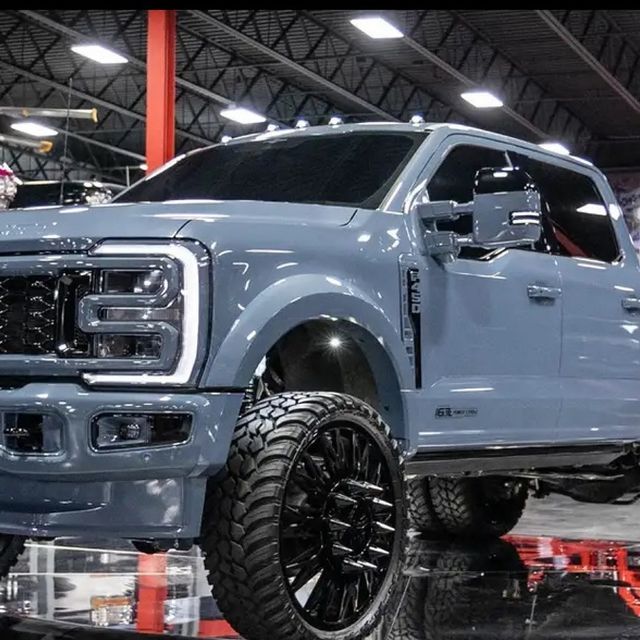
(520, 587)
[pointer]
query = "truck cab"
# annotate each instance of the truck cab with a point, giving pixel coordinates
(279, 346)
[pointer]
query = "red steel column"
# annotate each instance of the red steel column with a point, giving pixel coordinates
(161, 87)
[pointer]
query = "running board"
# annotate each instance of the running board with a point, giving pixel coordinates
(430, 462)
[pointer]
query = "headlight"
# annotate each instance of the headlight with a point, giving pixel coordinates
(149, 282)
(144, 312)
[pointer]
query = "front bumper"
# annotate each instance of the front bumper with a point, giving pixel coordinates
(153, 492)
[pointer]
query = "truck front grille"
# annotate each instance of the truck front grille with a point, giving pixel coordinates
(28, 315)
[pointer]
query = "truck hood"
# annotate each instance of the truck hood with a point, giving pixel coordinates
(78, 228)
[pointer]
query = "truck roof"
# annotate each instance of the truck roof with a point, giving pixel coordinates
(406, 127)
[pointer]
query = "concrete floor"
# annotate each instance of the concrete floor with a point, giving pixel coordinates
(561, 517)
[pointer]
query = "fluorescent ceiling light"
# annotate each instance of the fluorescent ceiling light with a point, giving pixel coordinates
(556, 147)
(482, 99)
(98, 53)
(242, 115)
(34, 129)
(376, 27)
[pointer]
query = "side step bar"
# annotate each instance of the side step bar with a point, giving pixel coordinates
(494, 459)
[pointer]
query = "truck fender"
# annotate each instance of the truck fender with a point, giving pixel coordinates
(290, 302)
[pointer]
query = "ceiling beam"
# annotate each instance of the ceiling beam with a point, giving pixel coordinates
(469, 83)
(569, 39)
(102, 145)
(317, 79)
(111, 106)
(52, 25)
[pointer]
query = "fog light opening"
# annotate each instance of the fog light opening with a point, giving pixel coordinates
(127, 430)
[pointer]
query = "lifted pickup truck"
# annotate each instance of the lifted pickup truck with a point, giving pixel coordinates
(253, 346)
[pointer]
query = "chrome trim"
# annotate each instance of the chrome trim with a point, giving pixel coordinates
(190, 314)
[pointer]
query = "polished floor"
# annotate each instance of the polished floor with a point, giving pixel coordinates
(546, 581)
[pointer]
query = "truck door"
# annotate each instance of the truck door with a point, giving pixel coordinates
(600, 367)
(491, 326)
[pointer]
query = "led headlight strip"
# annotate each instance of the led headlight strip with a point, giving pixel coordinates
(190, 314)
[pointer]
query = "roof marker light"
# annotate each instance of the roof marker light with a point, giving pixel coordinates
(302, 123)
(556, 147)
(416, 119)
(335, 120)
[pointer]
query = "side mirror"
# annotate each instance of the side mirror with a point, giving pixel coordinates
(506, 208)
(505, 212)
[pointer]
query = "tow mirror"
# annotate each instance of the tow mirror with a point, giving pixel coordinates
(506, 209)
(505, 212)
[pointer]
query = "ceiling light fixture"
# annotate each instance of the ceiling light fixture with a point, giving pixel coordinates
(556, 147)
(482, 99)
(377, 28)
(226, 139)
(242, 115)
(33, 129)
(98, 53)
(273, 127)
(302, 123)
(335, 120)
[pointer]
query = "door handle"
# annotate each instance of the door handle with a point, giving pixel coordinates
(631, 304)
(540, 292)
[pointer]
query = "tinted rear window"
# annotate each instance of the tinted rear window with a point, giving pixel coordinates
(343, 169)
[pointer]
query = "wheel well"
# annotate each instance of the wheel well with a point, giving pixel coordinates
(338, 355)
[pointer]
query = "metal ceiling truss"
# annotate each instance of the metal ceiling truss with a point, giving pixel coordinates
(589, 34)
(285, 64)
(468, 56)
(325, 64)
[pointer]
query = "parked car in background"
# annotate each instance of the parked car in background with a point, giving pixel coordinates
(43, 193)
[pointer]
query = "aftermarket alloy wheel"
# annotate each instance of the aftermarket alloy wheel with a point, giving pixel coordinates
(303, 533)
(10, 549)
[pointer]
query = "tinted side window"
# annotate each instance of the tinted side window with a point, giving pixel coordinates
(454, 180)
(576, 221)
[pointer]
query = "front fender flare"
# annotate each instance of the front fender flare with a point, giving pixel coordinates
(288, 303)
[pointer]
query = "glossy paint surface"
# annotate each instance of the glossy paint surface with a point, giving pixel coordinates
(511, 369)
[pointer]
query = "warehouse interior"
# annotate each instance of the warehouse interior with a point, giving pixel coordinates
(93, 102)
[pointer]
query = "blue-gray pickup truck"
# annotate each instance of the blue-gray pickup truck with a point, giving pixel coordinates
(285, 347)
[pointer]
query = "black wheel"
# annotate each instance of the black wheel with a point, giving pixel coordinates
(478, 507)
(10, 549)
(420, 511)
(303, 533)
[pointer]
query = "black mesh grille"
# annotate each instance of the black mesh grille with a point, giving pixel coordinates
(27, 315)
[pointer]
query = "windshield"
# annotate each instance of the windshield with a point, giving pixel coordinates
(343, 169)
